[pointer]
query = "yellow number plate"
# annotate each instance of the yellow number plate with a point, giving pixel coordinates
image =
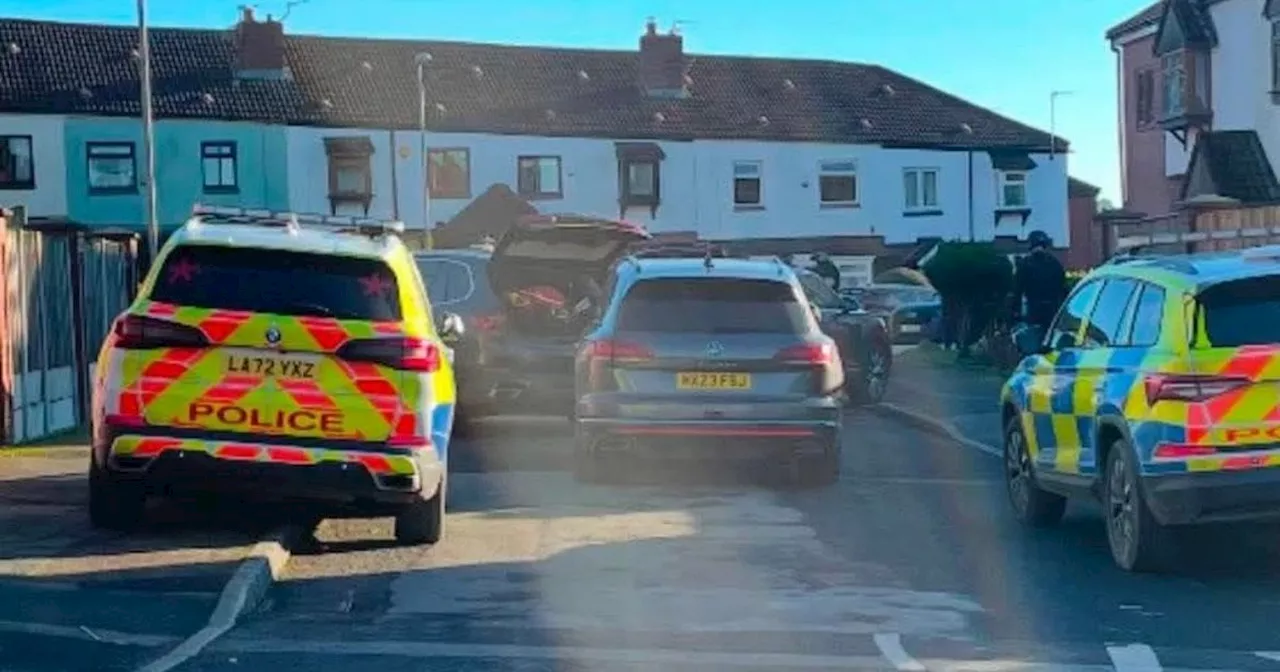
(272, 367)
(710, 380)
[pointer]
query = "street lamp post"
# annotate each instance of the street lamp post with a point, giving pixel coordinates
(422, 60)
(1053, 120)
(148, 133)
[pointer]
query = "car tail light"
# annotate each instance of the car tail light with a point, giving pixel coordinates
(134, 332)
(487, 322)
(403, 353)
(1190, 388)
(807, 353)
(617, 351)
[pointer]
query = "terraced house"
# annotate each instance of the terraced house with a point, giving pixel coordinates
(772, 155)
(1199, 85)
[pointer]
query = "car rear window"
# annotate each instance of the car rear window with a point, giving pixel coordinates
(279, 282)
(713, 305)
(1243, 312)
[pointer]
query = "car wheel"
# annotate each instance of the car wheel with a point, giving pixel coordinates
(873, 378)
(422, 522)
(1031, 505)
(822, 471)
(115, 503)
(588, 466)
(1138, 542)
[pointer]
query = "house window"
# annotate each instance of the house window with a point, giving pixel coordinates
(449, 172)
(1175, 83)
(16, 169)
(218, 161)
(113, 167)
(920, 189)
(539, 176)
(1275, 56)
(838, 183)
(1013, 189)
(640, 182)
(1146, 89)
(350, 171)
(746, 183)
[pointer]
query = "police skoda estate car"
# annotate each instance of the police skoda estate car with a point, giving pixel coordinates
(1157, 390)
(272, 354)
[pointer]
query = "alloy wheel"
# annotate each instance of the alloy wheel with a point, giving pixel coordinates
(1122, 510)
(1018, 472)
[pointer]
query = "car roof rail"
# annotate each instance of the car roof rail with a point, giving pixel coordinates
(293, 221)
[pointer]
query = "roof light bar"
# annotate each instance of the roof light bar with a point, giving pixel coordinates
(209, 214)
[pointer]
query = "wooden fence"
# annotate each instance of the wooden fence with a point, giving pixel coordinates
(62, 288)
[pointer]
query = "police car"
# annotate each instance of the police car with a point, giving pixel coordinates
(283, 356)
(1157, 390)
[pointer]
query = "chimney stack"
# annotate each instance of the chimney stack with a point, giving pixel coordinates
(662, 65)
(259, 48)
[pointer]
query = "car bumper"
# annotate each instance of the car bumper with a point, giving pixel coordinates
(497, 391)
(755, 440)
(365, 481)
(1210, 497)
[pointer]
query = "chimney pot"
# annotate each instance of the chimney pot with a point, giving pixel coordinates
(651, 26)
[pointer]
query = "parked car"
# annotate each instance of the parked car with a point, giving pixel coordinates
(525, 307)
(863, 338)
(708, 358)
(908, 309)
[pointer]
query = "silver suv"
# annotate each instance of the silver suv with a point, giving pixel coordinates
(719, 359)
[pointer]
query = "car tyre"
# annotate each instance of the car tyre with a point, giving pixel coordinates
(1137, 541)
(589, 467)
(422, 522)
(823, 471)
(872, 379)
(1033, 506)
(115, 502)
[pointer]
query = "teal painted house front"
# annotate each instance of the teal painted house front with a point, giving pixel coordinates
(214, 162)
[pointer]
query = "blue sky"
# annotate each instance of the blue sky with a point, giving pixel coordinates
(1007, 55)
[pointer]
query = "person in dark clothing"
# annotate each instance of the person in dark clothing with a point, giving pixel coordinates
(826, 269)
(1041, 280)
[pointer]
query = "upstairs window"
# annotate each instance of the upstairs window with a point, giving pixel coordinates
(920, 189)
(639, 182)
(539, 177)
(838, 183)
(1013, 189)
(449, 172)
(16, 169)
(218, 162)
(112, 167)
(746, 183)
(1175, 84)
(1145, 84)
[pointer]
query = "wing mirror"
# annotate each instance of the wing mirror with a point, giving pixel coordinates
(1029, 340)
(450, 326)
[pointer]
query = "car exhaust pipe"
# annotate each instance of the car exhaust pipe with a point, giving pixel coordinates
(507, 391)
(614, 444)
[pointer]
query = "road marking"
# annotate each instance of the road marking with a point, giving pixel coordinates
(85, 634)
(890, 644)
(659, 657)
(1269, 655)
(1134, 658)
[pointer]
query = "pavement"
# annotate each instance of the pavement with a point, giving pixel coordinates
(72, 597)
(932, 390)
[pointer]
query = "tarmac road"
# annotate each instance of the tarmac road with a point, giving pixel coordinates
(911, 562)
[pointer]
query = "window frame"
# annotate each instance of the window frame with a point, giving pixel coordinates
(16, 184)
(1275, 57)
(1135, 304)
(1173, 98)
(538, 192)
(1121, 335)
(1145, 84)
(630, 198)
(757, 177)
(833, 168)
(465, 191)
(917, 175)
(132, 156)
(1006, 179)
(207, 154)
(1049, 334)
(461, 298)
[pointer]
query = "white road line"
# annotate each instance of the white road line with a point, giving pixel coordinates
(87, 634)
(1269, 655)
(659, 657)
(1134, 658)
(890, 644)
